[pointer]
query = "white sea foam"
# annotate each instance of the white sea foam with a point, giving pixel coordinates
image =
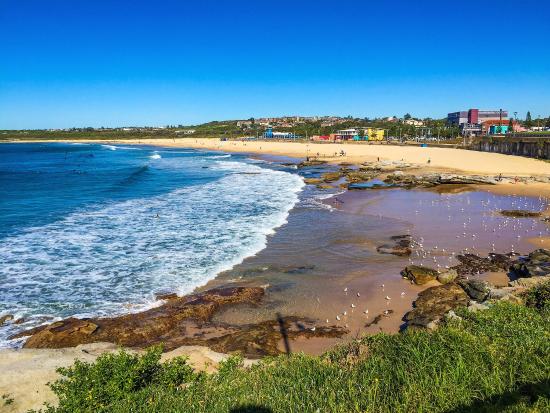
(110, 147)
(219, 156)
(155, 155)
(110, 259)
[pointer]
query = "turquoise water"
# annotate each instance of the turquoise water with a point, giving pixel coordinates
(90, 229)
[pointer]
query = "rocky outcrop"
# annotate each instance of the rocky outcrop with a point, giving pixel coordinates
(536, 264)
(478, 290)
(356, 176)
(447, 276)
(520, 213)
(310, 162)
(181, 321)
(432, 180)
(471, 264)
(313, 181)
(401, 246)
(432, 304)
(419, 275)
(331, 176)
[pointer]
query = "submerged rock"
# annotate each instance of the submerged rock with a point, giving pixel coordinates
(166, 296)
(4, 318)
(313, 181)
(401, 247)
(432, 304)
(520, 213)
(419, 275)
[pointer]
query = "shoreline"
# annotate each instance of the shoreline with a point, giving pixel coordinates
(354, 205)
(440, 159)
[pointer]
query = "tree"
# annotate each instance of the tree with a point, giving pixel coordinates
(528, 120)
(548, 122)
(407, 116)
(510, 126)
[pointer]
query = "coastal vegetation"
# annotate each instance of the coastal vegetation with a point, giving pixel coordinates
(496, 360)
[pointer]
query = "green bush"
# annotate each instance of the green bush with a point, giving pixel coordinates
(539, 296)
(494, 360)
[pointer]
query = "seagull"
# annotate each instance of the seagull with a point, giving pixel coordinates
(388, 298)
(402, 293)
(358, 295)
(312, 328)
(353, 306)
(366, 311)
(338, 318)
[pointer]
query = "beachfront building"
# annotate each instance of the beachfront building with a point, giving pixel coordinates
(375, 134)
(360, 134)
(475, 122)
(270, 134)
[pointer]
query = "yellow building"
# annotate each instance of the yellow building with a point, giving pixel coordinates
(375, 134)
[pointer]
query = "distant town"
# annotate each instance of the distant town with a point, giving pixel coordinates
(457, 125)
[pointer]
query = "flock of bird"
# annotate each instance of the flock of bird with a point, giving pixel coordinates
(489, 231)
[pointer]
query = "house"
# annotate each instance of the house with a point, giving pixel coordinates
(413, 122)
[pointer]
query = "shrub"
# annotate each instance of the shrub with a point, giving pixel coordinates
(493, 360)
(538, 296)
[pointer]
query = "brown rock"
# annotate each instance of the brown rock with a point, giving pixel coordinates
(401, 246)
(166, 296)
(520, 213)
(447, 276)
(432, 304)
(332, 176)
(419, 275)
(5, 318)
(182, 321)
(62, 334)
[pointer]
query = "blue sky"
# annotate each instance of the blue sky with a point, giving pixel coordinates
(114, 63)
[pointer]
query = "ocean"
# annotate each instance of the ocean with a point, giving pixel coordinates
(97, 230)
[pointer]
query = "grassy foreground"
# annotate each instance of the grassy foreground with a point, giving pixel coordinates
(495, 360)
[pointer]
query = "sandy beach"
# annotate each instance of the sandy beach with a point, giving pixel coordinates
(362, 290)
(448, 159)
(444, 158)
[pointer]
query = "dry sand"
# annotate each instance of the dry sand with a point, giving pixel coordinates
(445, 158)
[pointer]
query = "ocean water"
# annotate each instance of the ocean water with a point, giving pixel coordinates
(90, 229)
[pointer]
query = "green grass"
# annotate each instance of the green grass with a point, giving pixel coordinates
(492, 361)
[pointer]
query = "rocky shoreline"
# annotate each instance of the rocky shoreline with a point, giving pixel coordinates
(460, 287)
(191, 320)
(183, 321)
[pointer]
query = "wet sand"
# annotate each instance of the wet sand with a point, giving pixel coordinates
(323, 264)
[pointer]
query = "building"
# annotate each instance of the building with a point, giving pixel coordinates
(498, 129)
(477, 122)
(375, 134)
(413, 122)
(270, 134)
(359, 134)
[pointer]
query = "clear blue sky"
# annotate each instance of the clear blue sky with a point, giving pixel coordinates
(67, 63)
